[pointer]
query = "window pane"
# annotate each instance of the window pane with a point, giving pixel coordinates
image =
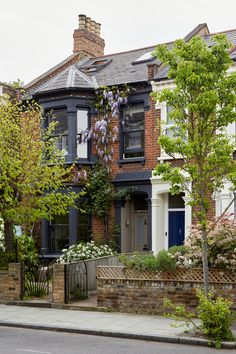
(59, 233)
(82, 125)
(134, 140)
(169, 109)
(61, 143)
(60, 116)
(60, 133)
(134, 118)
(133, 128)
(83, 227)
(176, 201)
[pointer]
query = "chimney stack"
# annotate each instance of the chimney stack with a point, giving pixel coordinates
(87, 38)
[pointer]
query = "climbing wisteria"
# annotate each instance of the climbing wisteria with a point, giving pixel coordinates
(105, 131)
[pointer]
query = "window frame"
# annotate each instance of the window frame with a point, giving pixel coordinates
(58, 137)
(164, 127)
(85, 145)
(125, 133)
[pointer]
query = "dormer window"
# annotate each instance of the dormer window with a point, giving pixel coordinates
(146, 57)
(96, 65)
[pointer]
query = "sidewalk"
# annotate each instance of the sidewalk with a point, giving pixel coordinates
(154, 328)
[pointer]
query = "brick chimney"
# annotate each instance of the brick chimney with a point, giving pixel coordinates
(87, 38)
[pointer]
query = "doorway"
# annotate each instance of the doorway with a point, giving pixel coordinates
(176, 220)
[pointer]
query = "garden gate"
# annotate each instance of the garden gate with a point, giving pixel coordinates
(76, 281)
(37, 278)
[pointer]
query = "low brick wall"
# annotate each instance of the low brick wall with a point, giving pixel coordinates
(120, 291)
(10, 283)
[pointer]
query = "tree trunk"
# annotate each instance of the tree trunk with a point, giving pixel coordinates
(9, 236)
(205, 261)
(203, 222)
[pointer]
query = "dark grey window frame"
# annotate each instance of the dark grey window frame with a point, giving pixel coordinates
(123, 159)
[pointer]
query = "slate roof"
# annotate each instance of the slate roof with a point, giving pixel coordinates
(70, 77)
(118, 68)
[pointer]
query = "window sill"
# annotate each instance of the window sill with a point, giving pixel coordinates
(141, 160)
(167, 157)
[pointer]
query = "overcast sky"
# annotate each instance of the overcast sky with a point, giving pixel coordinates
(36, 35)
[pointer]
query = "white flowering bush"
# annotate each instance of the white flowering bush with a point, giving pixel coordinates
(2, 244)
(221, 246)
(83, 251)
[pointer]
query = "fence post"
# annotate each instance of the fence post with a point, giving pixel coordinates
(22, 280)
(66, 297)
(58, 288)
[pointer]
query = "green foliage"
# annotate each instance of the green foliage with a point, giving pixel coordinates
(203, 102)
(179, 314)
(30, 185)
(79, 294)
(178, 249)
(6, 258)
(99, 191)
(216, 318)
(214, 314)
(125, 193)
(141, 261)
(26, 248)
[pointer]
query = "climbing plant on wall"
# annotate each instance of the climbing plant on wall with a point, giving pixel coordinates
(98, 186)
(104, 132)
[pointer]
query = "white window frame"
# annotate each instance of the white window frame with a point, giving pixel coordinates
(164, 126)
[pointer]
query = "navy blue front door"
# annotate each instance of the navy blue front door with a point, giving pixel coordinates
(176, 227)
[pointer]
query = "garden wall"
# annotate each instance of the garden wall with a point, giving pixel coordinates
(10, 283)
(128, 290)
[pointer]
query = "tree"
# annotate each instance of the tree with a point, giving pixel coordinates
(32, 171)
(203, 104)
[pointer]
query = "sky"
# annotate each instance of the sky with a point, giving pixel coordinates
(36, 35)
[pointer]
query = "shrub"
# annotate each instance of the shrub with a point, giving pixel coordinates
(6, 258)
(163, 261)
(221, 246)
(214, 315)
(26, 249)
(216, 318)
(84, 251)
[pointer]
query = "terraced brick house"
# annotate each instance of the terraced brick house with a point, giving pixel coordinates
(69, 90)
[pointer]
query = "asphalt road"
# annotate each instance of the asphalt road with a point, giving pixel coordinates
(27, 341)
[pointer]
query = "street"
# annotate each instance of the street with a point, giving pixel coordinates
(27, 341)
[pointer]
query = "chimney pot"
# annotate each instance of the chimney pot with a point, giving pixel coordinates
(97, 29)
(82, 21)
(88, 24)
(92, 26)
